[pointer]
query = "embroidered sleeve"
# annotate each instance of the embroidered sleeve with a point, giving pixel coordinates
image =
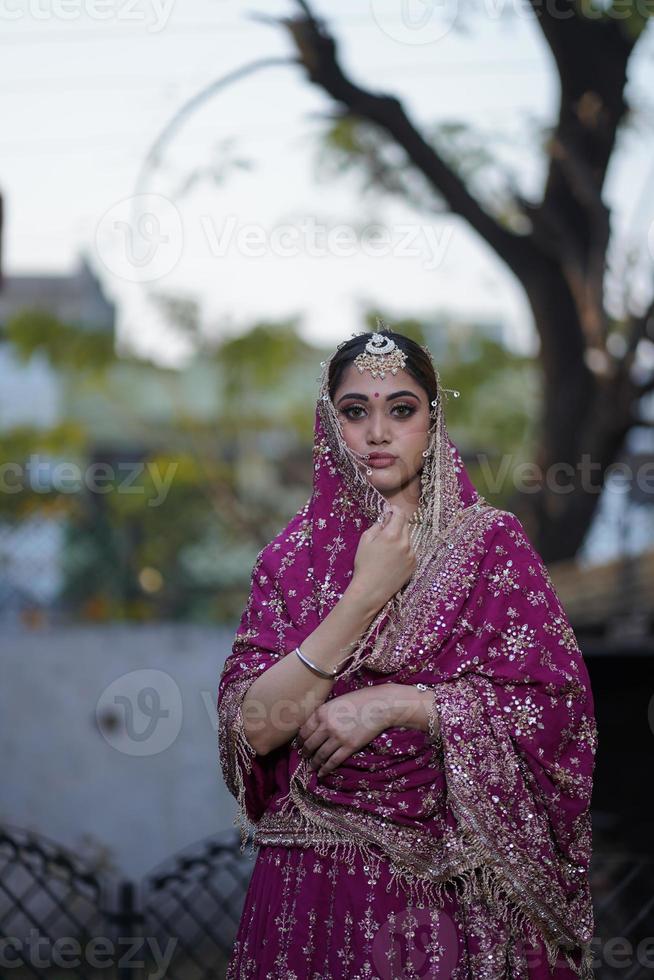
(248, 776)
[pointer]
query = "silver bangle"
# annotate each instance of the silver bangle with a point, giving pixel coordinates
(432, 734)
(314, 667)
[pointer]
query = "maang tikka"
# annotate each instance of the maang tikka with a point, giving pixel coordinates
(381, 357)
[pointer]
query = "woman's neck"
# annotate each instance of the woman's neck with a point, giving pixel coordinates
(406, 498)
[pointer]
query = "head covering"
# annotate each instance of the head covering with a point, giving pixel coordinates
(498, 804)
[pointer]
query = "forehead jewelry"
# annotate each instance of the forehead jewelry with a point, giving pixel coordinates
(381, 356)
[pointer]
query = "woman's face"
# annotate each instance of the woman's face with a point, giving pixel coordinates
(389, 416)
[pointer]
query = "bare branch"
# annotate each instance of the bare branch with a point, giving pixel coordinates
(318, 53)
(155, 152)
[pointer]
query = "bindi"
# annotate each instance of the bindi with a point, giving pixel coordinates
(376, 394)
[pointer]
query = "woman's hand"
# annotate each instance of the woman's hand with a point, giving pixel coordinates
(343, 725)
(385, 559)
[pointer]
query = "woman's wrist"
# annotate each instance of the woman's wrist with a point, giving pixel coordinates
(361, 601)
(407, 706)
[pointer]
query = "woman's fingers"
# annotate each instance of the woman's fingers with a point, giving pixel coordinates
(313, 742)
(397, 522)
(378, 526)
(340, 755)
(324, 752)
(393, 519)
(307, 728)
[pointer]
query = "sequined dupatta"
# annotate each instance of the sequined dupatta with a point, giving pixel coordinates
(499, 805)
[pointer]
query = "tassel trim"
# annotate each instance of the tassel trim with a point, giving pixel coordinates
(236, 755)
(481, 880)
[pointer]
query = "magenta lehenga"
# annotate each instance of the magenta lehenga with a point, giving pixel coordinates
(465, 856)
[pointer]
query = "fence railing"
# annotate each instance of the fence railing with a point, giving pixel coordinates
(60, 918)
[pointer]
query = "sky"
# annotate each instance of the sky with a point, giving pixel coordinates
(88, 86)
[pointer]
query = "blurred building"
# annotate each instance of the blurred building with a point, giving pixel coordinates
(32, 393)
(33, 396)
(121, 416)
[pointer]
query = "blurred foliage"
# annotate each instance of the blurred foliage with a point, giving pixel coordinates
(260, 370)
(175, 528)
(495, 419)
(181, 312)
(352, 146)
(22, 450)
(259, 358)
(64, 344)
(499, 396)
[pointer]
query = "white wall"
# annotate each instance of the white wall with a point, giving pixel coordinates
(143, 790)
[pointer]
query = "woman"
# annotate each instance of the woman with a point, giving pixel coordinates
(406, 718)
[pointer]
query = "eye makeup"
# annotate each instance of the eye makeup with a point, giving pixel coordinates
(410, 410)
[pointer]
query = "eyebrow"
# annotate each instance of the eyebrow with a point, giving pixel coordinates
(395, 394)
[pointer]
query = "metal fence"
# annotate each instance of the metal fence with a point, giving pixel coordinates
(61, 919)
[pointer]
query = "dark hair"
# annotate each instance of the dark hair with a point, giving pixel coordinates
(418, 363)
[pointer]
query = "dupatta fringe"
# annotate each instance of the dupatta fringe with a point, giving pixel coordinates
(483, 879)
(236, 755)
(244, 754)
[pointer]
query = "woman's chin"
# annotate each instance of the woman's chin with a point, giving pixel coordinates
(388, 484)
(384, 481)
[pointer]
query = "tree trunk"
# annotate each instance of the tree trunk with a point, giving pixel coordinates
(588, 394)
